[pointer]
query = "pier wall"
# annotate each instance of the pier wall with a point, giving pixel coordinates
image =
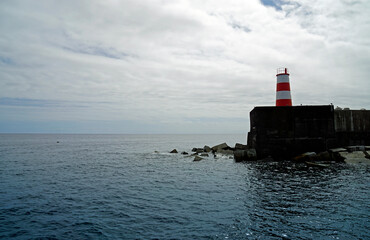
(283, 132)
(352, 127)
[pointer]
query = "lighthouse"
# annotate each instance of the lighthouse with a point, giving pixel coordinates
(283, 97)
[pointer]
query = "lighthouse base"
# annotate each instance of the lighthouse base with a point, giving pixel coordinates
(283, 102)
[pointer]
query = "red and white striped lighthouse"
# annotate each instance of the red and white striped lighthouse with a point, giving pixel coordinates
(283, 97)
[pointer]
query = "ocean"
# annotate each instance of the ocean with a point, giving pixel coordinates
(69, 186)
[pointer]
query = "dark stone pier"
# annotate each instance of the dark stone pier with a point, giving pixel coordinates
(284, 132)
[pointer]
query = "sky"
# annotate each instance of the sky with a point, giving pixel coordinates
(174, 66)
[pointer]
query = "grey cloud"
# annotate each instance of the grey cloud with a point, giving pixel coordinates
(171, 61)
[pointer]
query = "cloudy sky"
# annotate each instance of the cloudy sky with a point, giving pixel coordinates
(175, 66)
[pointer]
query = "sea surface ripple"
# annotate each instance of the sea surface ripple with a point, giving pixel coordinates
(118, 187)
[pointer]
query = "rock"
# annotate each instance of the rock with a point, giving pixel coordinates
(194, 154)
(367, 155)
(245, 155)
(335, 150)
(204, 155)
(314, 158)
(355, 148)
(354, 157)
(357, 160)
(219, 147)
(197, 150)
(174, 151)
(354, 154)
(336, 156)
(206, 148)
(308, 156)
(156, 152)
(325, 156)
(184, 153)
(225, 151)
(197, 159)
(239, 146)
(239, 155)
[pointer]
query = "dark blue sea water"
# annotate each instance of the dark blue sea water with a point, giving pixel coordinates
(117, 187)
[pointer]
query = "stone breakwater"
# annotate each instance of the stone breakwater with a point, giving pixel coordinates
(311, 134)
(285, 132)
(241, 152)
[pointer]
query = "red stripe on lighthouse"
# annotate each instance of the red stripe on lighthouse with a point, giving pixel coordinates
(284, 102)
(283, 87)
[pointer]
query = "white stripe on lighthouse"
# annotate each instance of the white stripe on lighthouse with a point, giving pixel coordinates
(283, 95)
(282, 78)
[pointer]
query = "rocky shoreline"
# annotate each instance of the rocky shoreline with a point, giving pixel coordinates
(242, 153)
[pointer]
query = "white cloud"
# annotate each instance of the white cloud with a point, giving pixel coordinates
(173, 61)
